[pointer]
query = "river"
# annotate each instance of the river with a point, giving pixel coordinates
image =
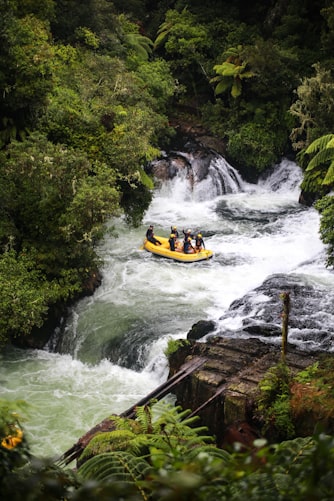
(111, 351)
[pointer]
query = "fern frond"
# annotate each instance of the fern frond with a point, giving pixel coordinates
(321, 158)
(144, 418)
(140, 44)
(107, 441)
(329, 178)
(117, 467)
(318, 144)
(163, 33)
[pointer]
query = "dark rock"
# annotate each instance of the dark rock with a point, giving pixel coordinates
(261, 330)
(200, 329)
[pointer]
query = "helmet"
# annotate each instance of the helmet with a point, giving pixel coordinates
(174, 228)
(189, 231)
(172, 235)
(199, 235)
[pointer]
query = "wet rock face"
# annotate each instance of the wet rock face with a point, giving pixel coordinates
(311, 312)
(200, 329)
(189, 157)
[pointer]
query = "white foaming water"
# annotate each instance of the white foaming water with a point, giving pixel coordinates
(112, 351)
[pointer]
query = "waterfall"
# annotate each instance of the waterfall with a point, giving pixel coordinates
(202, 177)
(112, 350)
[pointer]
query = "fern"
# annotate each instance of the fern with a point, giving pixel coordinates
(118, 467)
(329, 178)
(319, 144)
(322, 157)
(141, 45)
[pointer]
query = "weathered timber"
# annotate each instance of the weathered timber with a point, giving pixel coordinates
(194, 363)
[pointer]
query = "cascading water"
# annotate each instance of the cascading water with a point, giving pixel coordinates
(110, 353)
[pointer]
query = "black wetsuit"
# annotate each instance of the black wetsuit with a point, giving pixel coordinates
(172, 243)
(199, 242)
(151, 238)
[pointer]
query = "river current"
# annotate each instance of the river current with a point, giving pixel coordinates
(110, 352)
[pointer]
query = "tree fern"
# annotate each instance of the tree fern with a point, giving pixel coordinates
(321, 158)
(319, 144)
(118, 468)
(321, 152)
(142, 46)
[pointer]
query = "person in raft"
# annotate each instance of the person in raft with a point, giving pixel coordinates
(173, 229)
(187, 246)
(199, 242)
(172, 242)
(187, 234)
(150, 236)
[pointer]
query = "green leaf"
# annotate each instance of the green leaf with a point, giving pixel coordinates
(319, 144)
(329, 178)
(321, 158)
(236, 89)
(223, 86)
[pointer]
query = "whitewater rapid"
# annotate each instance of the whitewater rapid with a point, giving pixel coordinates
(111, 351)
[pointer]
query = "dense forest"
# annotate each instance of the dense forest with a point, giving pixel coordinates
(88, 94)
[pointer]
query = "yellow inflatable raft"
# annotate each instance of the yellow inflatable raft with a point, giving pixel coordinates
(177, 255)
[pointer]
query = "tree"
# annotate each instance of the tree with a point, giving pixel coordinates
(314, 108)
(26, 57)
(185, 41)
(231, 72)
(52, 215)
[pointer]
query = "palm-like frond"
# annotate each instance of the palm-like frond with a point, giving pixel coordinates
(118, 468)
(321, 158)
(319, 144)
(141, 45)
(163, 33)
(329, 178)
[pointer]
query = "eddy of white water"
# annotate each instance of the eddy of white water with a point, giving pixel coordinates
(111, 353)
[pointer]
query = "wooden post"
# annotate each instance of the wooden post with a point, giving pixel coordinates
(285, 296)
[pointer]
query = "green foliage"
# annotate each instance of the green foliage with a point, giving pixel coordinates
(169, 429)
(186, 468)
(313, 108)
(326, 208)
(26, 73)
(302, 466)
(273, 402)
(173, 345)
(185, 41)
(322, 150)
(318, 161)
(25, 295)
(55, 207)
(306, 375)
(231, 72)
(253, 146)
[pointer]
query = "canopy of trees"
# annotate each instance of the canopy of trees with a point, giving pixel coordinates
(86, 94)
